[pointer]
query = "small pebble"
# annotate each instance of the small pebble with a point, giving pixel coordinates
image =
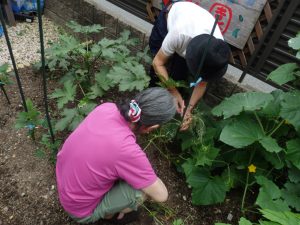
(229, 217)
(184, 197)
(23, 194)
(26, 43)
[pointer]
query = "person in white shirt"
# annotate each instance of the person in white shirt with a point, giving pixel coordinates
(177, 41)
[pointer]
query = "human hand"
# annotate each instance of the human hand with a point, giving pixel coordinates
(179, 101)
(187, 120)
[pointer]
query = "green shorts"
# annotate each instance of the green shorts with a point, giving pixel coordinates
(120, 197)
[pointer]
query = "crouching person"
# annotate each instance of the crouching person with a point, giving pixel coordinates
(102, 173)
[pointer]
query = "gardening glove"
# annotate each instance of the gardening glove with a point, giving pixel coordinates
(179, 100)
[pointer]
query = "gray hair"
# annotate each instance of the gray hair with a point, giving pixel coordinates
(157, 105)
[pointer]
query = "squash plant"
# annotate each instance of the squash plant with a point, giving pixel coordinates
(256, 144)
(4, 75)
(90, 69)
(259, 140)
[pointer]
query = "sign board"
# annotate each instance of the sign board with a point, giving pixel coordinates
(237, 17)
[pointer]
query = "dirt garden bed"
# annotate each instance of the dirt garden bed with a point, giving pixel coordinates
(28, 187)
(27, 177)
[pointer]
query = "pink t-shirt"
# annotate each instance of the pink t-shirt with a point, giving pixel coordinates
(100, 151)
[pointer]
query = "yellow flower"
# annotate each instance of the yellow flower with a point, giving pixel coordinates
(252, 168)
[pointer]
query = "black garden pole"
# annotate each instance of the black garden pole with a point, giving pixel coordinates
(12, 59)
(43, 70)
(4, 92)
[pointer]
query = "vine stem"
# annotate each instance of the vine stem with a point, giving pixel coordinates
(247, 181)
(151, 214)
(81, 89)
(152, 139)
(276, 128)
(259, 121)
(245, 191)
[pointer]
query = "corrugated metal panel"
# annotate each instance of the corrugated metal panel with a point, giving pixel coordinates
(136, 7)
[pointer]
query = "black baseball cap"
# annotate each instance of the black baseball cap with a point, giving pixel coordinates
(216, 60)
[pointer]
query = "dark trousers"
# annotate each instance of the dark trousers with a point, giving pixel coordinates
(177, 67)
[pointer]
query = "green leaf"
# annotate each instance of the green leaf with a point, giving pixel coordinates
(234, 105)
(270, 144)
(188, 166)
(206, 189)
(170, 83)
(283, 73)
(277, 160)
(290, 108)
(262, 222)
(86, 108)
(77, 28)
(58, 54)
(295, 42)
(178, 222)
(244, 221)
(40, 153)
(29, 118)
(272, 109)
(102, 84)
(291, 195)
(294, 175)
(68, 117)
(269, 195)
(4, 68)
(230, 177)
(293, 153)
(283, 218)
(241, 132)
(64, 95)
(129, 76)
(205, 155)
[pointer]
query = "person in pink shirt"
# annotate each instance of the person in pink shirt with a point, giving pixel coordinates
(101, 172)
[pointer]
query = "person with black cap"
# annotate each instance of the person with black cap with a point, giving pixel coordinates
(178, 39)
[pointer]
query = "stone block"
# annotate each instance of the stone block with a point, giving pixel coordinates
(122, 27)
(76, 5)
(108, 35)
(51, 4)
(99, 17)
(64, 12)
(134, 33)
(87, 11)
(71, 4)
(98, 36)
(56, 18)
(111, 24)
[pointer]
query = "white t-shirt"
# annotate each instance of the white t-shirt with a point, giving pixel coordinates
(185, 21)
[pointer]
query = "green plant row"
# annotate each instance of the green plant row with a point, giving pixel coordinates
(255, 145)
(86, 70)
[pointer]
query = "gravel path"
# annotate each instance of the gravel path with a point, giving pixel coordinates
(25, 42)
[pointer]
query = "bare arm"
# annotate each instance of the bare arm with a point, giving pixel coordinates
(197, 94)
(157, 191)
(159, 65)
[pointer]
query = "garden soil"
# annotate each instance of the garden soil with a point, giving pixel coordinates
(28, 193)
